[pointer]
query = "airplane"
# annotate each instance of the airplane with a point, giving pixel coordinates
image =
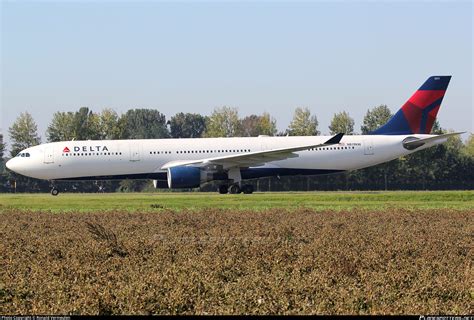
(189, 163)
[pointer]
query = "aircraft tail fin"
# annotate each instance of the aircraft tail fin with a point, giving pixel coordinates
(418, 114)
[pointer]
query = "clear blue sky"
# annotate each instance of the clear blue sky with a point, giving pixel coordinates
(257, 56)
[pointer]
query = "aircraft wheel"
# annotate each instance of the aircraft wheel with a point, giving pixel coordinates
(54, 191)
(234, 189)
(247, 189)
(223, 189)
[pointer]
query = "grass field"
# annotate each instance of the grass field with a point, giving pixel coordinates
(269, 253)
(461, 200)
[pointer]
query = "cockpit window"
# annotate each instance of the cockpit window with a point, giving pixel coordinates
(23, 154)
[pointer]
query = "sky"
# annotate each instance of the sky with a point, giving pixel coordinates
(257, 56)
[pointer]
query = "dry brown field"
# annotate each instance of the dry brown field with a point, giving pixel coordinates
(216, 261)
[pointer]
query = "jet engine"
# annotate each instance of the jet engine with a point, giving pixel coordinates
(184, 177)
(193, 177)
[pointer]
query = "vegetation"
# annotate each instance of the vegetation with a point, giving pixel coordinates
(2, 146)
(375, 118)
(342, 122)
(253, 125)
(215, 261)
(143, 124)
(318, 201)
(187, 125)
(23, 133)
(223, 122)
(303, 123)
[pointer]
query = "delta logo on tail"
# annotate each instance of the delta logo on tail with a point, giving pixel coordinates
(418, 114)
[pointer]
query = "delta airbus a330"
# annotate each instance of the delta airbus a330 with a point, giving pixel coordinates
(188, 163)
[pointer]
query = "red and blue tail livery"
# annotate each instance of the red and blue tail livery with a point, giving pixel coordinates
(418, 114)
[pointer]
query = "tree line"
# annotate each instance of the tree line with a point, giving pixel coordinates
(447, 166)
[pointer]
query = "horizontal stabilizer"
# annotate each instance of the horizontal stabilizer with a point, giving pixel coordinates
(412, 143)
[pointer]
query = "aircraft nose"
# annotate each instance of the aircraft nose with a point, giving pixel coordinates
(11, 164)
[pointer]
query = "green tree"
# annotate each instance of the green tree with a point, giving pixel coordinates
(83, 125)
(436, 129)
(223, 122)
(375, 118)
(2, 146)
(187, 125)
(23, 133)
(342, 122)
(143, 124)
(468, 149)
(61, 127)
(446, 162)
(109, 128)
(86, 125)
(454, 143)
(254, 125)
(303, 123)
(267, 125)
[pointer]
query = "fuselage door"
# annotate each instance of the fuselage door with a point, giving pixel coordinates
(134, 151)
(48, 155)
(368, 147)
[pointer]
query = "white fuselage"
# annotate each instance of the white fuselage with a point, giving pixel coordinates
(128, 158)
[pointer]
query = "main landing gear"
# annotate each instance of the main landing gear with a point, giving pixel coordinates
(247, 189)
(235, 189)
(223, 189)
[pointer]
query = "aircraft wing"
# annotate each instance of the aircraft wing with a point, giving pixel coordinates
(252, 159)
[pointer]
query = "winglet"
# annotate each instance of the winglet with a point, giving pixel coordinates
(336, 139)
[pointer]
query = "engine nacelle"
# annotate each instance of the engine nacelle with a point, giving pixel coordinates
(184, 177)
(160, 184)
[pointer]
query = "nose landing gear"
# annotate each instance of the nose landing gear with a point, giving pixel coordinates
(54, 191)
